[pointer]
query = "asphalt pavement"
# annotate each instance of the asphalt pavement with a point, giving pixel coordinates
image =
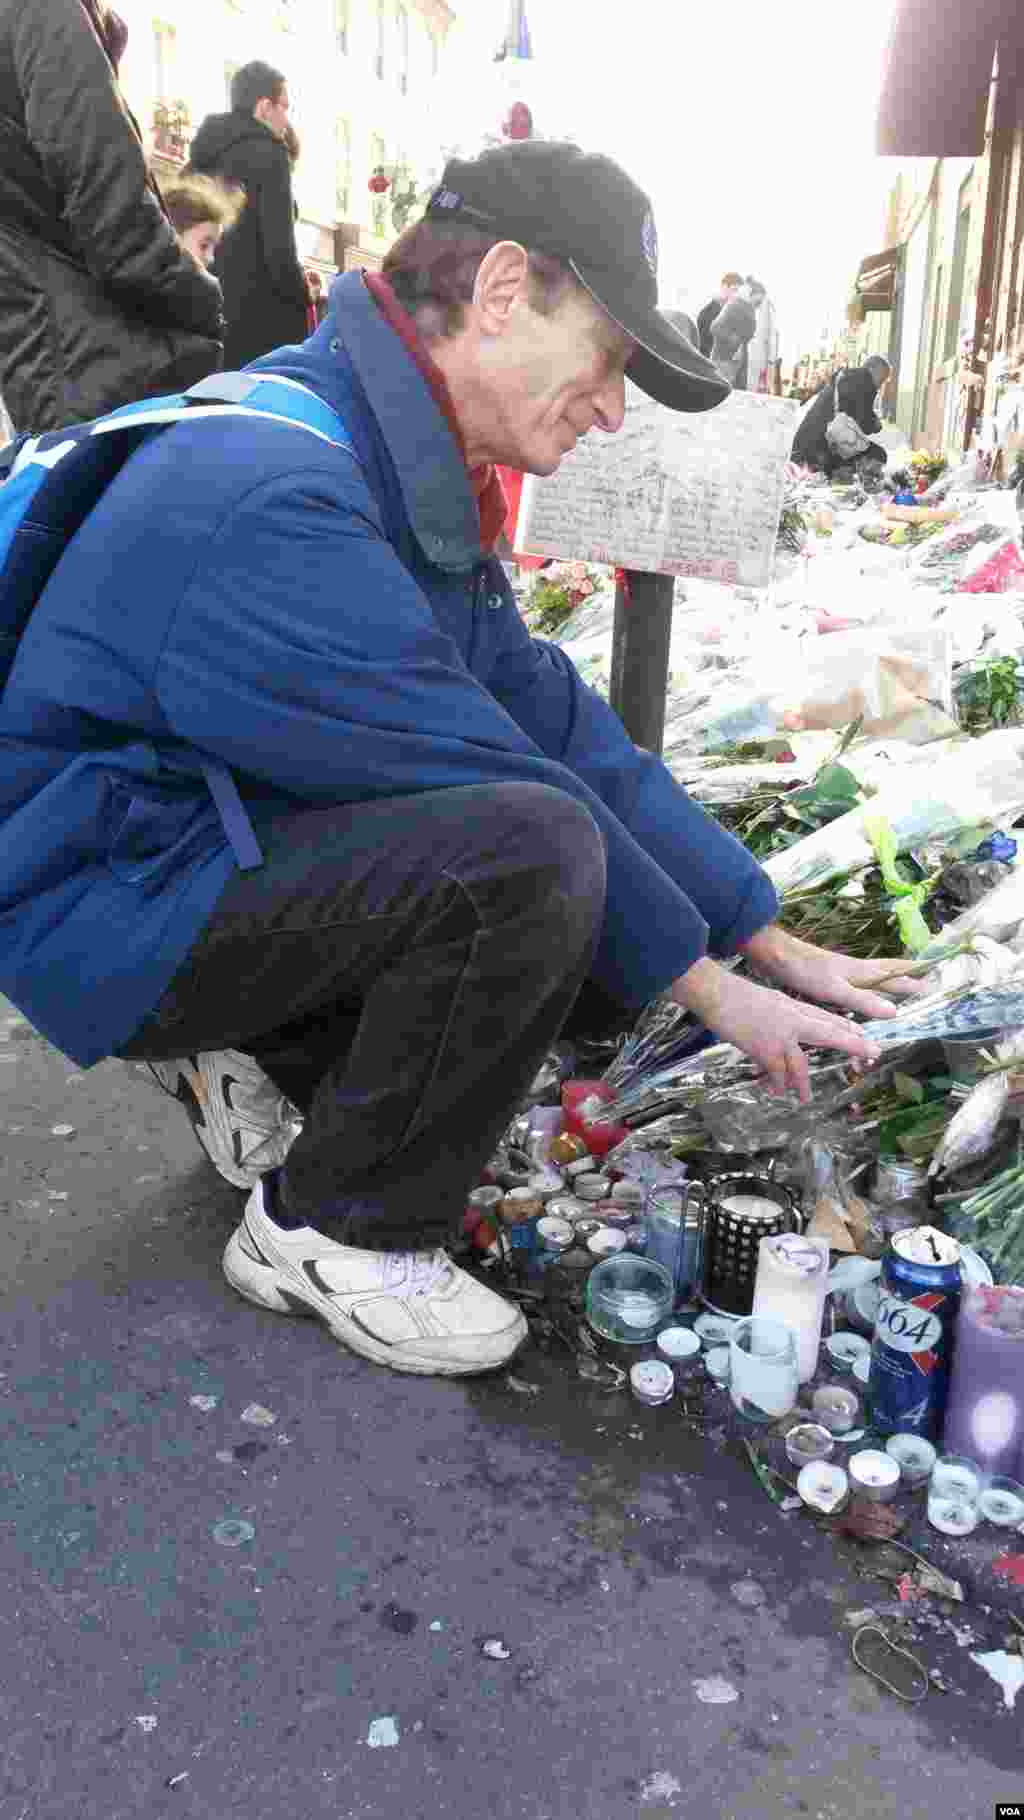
(243, 1573)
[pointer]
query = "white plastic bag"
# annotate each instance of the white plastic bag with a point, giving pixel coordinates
(972, 784)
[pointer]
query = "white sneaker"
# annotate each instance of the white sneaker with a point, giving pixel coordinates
(242, 1121)
(411, 1310)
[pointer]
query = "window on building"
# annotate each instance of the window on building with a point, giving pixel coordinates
(402, 33)
(343, 168)
(164, 59)
(956, 283)
(381, 38)
(342, 21)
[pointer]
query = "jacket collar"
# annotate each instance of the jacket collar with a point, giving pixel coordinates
(435, 485)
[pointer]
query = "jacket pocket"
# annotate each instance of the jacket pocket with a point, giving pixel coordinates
(150, 831)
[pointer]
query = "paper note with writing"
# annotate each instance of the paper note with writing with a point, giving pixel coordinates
(671, 493)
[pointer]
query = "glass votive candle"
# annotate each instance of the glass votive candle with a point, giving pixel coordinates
(823, 1488)
(764, 1376)
(1002, 1503)
(915, 1458)
(836, 1408)
(953, 1493)
(873, 1475)
(628, 1299)
(808, 1442)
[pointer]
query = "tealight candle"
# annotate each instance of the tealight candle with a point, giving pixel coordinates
(914, 1456)
(679, 1346)
(823, 1488)
(807, 1442)
(953, 1495)
(1002, 1503)
(836, 1408)
(604, 1241)
(652, 1381)
(874, 1475)
(718, 1363)
(844, 1349)
(591, 1187)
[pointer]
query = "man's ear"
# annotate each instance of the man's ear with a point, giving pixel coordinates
(502, 285)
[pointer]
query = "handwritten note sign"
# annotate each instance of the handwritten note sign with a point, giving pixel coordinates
(671, 494)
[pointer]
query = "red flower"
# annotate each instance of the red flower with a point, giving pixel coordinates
(379, 182)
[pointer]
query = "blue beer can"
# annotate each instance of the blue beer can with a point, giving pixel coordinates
(912, 1347)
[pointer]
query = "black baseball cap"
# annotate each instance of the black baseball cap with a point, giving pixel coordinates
(582, 208)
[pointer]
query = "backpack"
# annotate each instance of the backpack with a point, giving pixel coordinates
(844, 435)
(49, 484)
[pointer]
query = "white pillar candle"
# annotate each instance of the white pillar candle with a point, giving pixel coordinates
(790, 1287)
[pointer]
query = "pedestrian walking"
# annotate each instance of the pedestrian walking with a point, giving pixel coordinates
(265, 294)
(99, 305)
(422, 834)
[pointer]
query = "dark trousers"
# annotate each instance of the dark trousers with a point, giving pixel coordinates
(399, 969)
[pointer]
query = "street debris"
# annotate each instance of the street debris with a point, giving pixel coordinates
(875, 1652)
(495, 1649)
(383, 1733)
(1005, 1670)
(232, 1532)
(660, 1786)
(63, 1130)
(259, 1417)
(713, 1690)
(203, 1402)
(146, 1722)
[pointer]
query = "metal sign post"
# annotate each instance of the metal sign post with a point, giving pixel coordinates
(640, 643)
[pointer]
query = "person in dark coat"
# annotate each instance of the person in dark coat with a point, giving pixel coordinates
(265, 295)
(99, 305)
(726, 291)
(854, 391)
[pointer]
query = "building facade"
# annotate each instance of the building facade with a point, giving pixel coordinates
(949, 289)
(364, 78)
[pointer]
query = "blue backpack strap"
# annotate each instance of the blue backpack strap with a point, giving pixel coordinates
(273, 396)
(51, 483)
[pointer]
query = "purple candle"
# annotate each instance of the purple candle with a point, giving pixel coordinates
(985, 1411)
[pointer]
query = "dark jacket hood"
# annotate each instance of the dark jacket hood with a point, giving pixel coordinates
(220, 133)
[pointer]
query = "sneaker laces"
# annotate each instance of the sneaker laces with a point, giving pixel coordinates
(415, 1273)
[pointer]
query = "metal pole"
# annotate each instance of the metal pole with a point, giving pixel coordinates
(640, 642)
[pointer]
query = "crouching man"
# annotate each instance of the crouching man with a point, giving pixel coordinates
(286, 774)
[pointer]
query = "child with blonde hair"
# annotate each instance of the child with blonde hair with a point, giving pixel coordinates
(202, 210)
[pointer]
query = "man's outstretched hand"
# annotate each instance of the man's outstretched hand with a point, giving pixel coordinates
(772, 1029)
(831, 979)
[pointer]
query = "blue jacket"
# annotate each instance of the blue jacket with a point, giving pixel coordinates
(328, 628)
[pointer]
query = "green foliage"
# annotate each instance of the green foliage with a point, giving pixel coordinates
(988, 694)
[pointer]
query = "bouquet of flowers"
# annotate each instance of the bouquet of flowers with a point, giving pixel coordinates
(557, 592)
(926, 465)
